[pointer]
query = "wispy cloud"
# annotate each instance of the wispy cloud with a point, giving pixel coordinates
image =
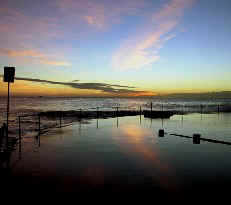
(54, 62)
(100, 13)
(145, 51)
(25, 33)
(104, 87)
(174, 8)
(16, 26)
(33, 55)
(21, 53)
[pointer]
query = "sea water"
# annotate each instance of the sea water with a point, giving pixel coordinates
(127, 153)
(31, 105)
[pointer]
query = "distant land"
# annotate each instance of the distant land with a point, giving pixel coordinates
(199, 96)
(207, 95)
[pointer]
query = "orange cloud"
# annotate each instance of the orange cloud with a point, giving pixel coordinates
(33, 54)
(55, 63)
(21, 53)
(145, 51)
(93, 21)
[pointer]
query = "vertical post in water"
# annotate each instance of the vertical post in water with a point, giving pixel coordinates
(151, 107)
(218, 108)
(60, 119)
(19, 134)
(7, 116)
(9, 73)
(97, 112)
(39, 129)
(39, 124)
(140, 114)
(182, 114)
(1, 136)
(117, 110)
(201, 108)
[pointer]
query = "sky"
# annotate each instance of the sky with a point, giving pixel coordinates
(116, 48)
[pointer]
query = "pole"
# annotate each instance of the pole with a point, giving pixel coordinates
(140, 114)
(7, 117)
(39, 129)
(39, 124)
(19, 133)
(60, 119)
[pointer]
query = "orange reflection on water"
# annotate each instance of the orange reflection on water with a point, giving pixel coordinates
(140, 142)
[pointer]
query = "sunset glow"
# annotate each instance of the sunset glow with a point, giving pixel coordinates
(145, 48)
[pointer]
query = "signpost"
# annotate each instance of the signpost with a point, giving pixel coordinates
(9, 73)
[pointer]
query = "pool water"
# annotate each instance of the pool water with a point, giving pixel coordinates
(126, 154)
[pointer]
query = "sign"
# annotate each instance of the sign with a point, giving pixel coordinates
(9, 73)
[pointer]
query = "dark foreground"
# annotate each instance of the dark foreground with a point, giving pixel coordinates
(116, 189)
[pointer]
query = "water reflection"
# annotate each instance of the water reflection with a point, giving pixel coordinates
(123, 149)
(141, 143)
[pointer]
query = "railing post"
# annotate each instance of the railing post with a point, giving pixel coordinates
(39, 129)
(5, 134)
(19, 133)
(1, 136)
(60, 119)
(7, 118)
(97, 112)
(140, 114)
(39, 124)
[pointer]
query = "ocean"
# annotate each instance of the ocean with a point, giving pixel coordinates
(122, 153)
(31, 105)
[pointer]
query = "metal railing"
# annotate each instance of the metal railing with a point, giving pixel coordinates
(42, 122)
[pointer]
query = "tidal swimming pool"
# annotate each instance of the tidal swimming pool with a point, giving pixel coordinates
(126, 154)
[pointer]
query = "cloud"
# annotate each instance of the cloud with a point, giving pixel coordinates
(93, 21)
(173, 9)
(145, 51)
(104, 87)
(55, 63)
(33, 54)
(100, 14)
(16, 26)
(22, 53)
